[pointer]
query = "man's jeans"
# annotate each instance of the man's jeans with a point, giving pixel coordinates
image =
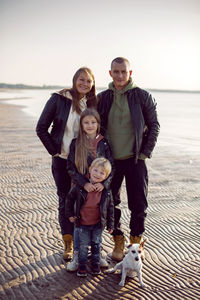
(89, 235)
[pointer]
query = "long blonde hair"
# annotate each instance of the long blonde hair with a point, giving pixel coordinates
(91, 95)
(82, 148)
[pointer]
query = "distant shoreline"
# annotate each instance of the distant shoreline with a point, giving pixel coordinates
(4, 86)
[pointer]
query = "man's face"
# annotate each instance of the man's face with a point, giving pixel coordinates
(120, 74)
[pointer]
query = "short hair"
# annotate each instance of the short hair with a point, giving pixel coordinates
(102, 162)
(120, 60)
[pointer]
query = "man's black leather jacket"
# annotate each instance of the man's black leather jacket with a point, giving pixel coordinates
(144, 117)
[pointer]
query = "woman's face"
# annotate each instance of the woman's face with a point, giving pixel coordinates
(84, 84)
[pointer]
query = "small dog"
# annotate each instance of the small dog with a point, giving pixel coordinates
(131, 262)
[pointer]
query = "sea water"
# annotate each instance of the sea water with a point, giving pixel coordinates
(178, 113)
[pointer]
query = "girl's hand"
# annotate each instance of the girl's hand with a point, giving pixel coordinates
(110, 231)
(99, 187)
(72, 219)
(89, 187)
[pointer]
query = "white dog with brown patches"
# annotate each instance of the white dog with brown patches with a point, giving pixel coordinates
(131, 262)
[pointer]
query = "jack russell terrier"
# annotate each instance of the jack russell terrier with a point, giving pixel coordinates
(131, 262)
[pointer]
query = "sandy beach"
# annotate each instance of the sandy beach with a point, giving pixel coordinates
(31, 264)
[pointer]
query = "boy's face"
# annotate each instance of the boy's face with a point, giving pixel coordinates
(97, 174)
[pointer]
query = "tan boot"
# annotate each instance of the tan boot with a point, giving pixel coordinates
(118, 251)
(135, 239)
(68, 246)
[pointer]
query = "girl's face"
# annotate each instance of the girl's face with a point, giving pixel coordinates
(84, 84)
(90, 126)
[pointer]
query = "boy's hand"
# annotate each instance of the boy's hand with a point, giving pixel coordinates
(99, 187)
(110, 231)
(89, 187)
(72, 219)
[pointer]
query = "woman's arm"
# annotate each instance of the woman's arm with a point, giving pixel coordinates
(44, 122)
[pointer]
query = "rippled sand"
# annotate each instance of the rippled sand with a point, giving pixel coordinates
(31, 262)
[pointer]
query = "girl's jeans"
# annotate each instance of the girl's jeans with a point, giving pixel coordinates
(87, 235)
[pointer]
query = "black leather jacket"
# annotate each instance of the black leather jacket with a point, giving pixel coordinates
(77, 197)
(103, 150)
(144, 117)
(56, 111)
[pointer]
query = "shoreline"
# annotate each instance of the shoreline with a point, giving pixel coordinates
(31, 264)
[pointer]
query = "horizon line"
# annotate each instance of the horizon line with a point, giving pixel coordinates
(45, 86)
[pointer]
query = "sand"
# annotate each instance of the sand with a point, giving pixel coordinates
(31, 261)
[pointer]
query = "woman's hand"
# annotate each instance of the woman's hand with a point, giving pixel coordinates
(89, 187)
(99, 187)
(110, 231)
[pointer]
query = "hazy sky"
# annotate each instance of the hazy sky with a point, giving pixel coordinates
(46, 41)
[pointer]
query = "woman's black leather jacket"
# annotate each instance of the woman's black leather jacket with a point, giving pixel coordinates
(55, 112)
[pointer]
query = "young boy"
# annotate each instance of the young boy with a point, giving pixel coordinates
(91, 212)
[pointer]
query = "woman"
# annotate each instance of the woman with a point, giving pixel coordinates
(63, 111)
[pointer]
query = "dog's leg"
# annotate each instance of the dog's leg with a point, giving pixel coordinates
(112, 270)
(139, 274)
(123, 277)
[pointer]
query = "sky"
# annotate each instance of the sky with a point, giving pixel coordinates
(46, 41)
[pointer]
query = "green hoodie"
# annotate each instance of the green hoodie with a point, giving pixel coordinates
(120, 131)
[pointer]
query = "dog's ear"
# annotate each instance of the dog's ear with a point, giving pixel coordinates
(142, 244)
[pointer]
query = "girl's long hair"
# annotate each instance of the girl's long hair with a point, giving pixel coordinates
(90, 96)
(83, 147)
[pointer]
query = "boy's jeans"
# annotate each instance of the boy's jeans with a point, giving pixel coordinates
(89, 235)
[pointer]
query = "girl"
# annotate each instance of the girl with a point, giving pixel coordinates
(89, 145)
(63, 111)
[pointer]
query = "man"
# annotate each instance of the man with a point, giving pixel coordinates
(129, 121)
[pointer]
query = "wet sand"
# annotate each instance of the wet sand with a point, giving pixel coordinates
(31, 264)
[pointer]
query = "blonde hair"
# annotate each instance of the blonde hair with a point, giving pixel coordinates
(104, 163)
(82, 148)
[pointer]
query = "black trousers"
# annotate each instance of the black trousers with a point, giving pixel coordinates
(136, 178)
(63, 184)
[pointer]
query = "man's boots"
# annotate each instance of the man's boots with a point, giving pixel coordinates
(134, 239)
(68, 246)
(118, 251)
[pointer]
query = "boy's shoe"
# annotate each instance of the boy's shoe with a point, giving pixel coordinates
(82, 271)
(103, 262)
(73, 265)
(95, 268)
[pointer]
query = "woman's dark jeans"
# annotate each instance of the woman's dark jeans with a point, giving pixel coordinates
(63, 184)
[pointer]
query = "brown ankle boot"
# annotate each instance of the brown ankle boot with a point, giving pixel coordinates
(68, 246)
(134, 239)
(118, 251)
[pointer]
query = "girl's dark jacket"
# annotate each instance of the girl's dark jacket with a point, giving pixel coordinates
(103, 150)
(144, 118)
(77, 197)
(55, 112)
